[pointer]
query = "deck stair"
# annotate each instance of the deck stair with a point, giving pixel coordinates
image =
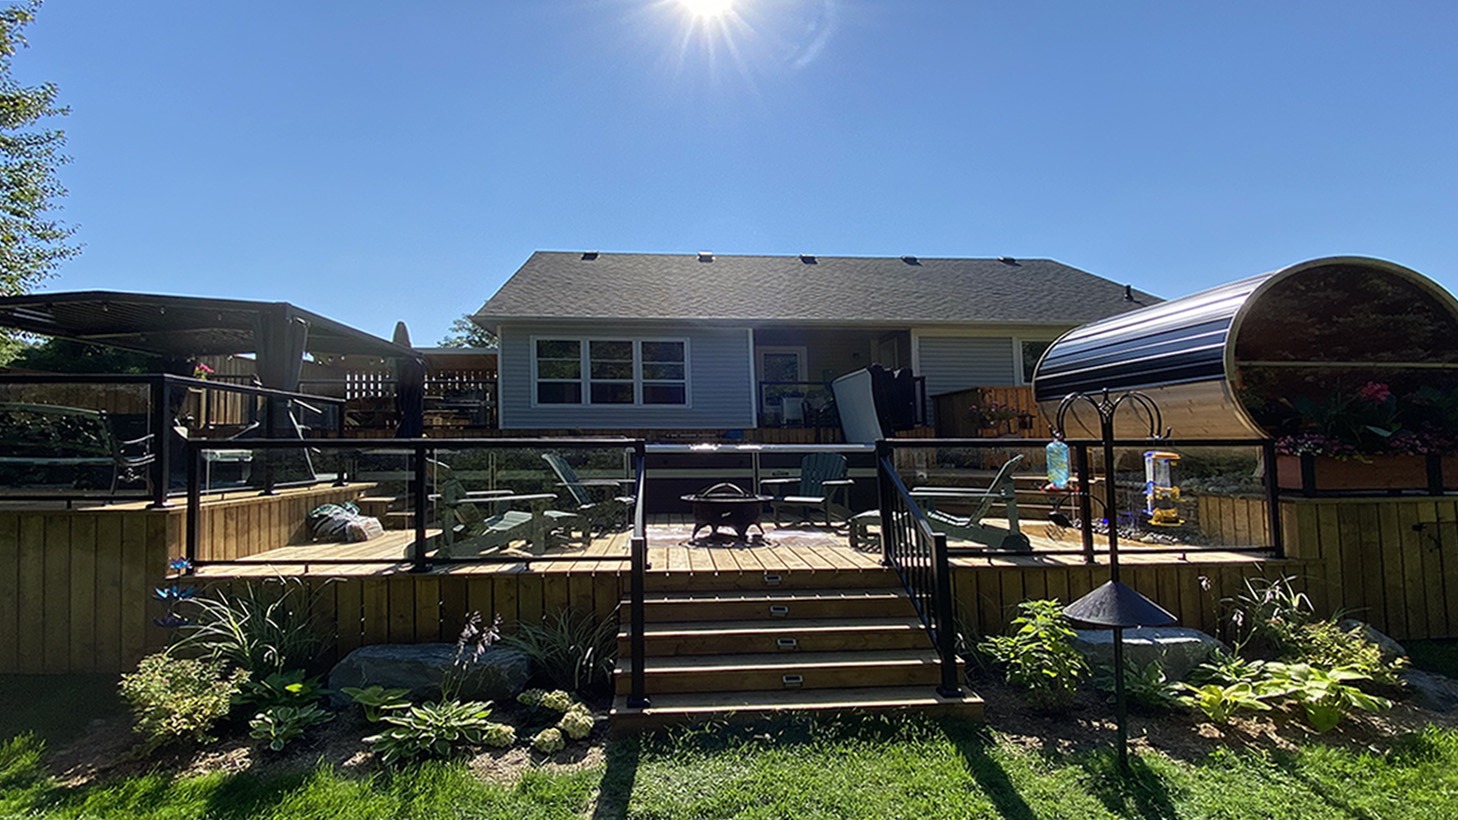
(752, 643)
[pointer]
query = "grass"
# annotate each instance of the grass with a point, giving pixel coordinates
(852, 767)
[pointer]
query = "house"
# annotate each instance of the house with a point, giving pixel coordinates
(637, 341)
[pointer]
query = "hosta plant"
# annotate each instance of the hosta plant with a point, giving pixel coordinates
(1147, 688)
(549, 741)
(290, 688)
(277, 725)
(377, 700)
(433, 730)
(1325, 695)
(1039, 654)
(1219, 702)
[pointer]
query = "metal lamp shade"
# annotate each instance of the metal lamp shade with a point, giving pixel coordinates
(1118, 606)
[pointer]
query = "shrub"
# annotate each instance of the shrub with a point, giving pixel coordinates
(576, 723)
(433, 730)
(572, 652)
(549, 741)
(377, 700)
(1039, 654)
(267, 628)
(178, 698)
(498, 735)
(1323, 644)
(1219, 703)
(277, 725)
(1325, 695)
(289, 688)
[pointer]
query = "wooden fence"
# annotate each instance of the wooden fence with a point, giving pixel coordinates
(954, 419)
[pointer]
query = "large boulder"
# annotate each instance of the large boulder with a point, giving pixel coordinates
(1431, 691)
(1178, 649)
(1391, 649)
(498, 674)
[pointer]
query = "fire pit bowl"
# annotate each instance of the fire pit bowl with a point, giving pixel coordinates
(726, 505)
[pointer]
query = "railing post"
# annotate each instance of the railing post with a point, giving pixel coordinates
(1085, 503)
(1273, 498)
(193, 453)
(885, 495)
(946, 618)
(418, 563)
(638, 696)
(161, 440)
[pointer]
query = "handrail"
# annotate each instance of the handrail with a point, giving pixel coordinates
(421, 454)
(638, 696)
(918, 554)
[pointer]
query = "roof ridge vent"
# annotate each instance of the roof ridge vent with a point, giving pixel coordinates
(1007, 260)
(588, 256)
(809, 259)
(911, 260)
(706, 256)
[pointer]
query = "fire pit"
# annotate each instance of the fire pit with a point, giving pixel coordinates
(726, 505)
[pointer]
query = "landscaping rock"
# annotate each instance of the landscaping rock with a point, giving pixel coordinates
(1432, 691)
(1178, 649)
(499, 674)
(1391, 650)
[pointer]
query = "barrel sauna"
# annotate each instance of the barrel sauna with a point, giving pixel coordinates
(1244, 359)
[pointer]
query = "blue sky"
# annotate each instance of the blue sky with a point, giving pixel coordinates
(376, 161)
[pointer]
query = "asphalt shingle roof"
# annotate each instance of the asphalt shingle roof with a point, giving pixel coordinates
(832, 289)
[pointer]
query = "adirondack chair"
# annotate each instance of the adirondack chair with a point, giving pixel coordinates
(609, 508)
(470, 526)
(821, 483)
(970, 527)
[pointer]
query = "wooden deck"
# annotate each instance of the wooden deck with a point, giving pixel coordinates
(670, 549)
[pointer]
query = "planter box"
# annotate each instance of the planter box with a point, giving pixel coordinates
(1381, 474)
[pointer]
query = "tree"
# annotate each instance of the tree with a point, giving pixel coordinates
(465, 333)
(32, 242)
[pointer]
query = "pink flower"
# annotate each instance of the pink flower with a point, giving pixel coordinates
(1374, 392)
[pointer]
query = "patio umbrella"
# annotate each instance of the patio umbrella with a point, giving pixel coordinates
(409, 388)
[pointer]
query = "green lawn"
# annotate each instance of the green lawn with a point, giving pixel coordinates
(850, 768)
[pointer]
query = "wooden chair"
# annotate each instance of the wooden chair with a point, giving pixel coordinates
(468, 530)
(606, 508)
(970, 527)
(821, 483)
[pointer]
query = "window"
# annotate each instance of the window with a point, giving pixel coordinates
(1032, 352)
(611, 371)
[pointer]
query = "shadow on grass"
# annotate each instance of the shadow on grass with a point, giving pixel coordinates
(616, 788)
(251, 795)
(1139, 792)
(972, 743)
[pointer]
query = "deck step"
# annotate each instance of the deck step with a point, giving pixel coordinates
(785, 670)
(664, 580)
(729, 605)
(667, 709)
(780, 635)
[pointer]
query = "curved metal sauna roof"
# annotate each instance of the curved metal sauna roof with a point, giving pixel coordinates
(1185, 341)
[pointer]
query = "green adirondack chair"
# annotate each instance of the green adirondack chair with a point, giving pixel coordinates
(471, 524)
(970, 527)
(606, 502)
(822, 486)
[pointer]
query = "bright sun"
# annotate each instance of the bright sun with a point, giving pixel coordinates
(707, 8)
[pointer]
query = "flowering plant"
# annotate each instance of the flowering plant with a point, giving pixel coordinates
(988, 412)
(1373, 421)
(201, 371)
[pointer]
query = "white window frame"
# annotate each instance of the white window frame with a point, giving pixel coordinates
(585, 377)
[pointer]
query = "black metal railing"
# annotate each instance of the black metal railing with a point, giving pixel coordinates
(418, 465)
(918, 554)
(638, 696)
(163, 411)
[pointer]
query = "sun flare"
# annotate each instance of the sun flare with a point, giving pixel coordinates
(707, 8)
